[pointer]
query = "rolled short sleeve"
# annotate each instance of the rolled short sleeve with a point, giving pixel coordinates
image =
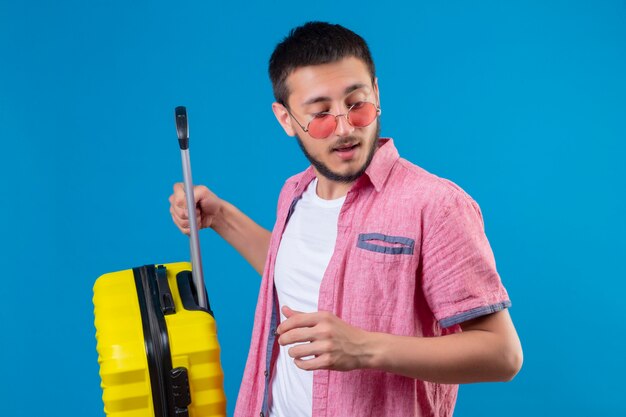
(459, 276)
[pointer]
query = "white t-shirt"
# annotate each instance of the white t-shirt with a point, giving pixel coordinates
(303, 255)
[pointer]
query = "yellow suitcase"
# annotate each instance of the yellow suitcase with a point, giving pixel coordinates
(156, 335)
(157, 349)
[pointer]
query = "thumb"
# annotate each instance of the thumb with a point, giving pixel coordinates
(288, 312)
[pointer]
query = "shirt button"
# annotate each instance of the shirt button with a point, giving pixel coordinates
(261, 414)
(265, 373)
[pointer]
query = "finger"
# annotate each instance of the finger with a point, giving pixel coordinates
(320, 362)
(179, 202)
(304, 334)
(179, 189)
(288, 312)
(179, 206)
(179, 195)
(179, 219)
(180, 226)
(175, 211)
(304, 350)
(174, 202)
(184, 217)
(299, 320)
(199, 192)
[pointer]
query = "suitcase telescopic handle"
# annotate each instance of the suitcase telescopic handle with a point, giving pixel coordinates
(182, 129)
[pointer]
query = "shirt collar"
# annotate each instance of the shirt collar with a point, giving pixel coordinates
(384, 159)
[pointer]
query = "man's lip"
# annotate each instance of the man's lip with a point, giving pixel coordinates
(346, 146)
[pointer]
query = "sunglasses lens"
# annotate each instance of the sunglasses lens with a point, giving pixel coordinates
(362, 114)
(322, 126)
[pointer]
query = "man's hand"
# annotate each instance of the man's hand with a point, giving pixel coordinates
(207, 207)
(248, 238)
(333, 343)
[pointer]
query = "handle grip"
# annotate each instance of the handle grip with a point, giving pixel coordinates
(182, 128)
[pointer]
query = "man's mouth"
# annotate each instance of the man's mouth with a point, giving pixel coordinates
(346, 147)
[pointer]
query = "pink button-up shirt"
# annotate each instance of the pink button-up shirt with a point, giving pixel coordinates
(411, 259)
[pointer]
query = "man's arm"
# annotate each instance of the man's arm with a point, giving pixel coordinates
(247, 237)
(487, 349)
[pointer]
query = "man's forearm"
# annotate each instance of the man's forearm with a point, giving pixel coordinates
(474, 355)
(247, 237)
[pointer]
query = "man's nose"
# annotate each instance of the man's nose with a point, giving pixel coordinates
(344, 128)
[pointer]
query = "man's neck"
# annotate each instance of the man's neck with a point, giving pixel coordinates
(331, 190)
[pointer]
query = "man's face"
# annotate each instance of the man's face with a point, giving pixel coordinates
(334, 87)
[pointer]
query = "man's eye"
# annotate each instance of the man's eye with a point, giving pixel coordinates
(320, 115)
(356, 105)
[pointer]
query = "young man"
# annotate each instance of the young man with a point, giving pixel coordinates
(379, 290)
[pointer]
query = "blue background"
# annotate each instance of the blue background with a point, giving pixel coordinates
(523, 104)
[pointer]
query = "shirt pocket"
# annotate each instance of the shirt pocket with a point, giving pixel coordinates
(380, 277)
(380, 247)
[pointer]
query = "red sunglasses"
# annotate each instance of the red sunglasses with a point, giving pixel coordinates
(323, 124)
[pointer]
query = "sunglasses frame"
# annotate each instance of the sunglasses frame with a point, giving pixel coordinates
(306, 129)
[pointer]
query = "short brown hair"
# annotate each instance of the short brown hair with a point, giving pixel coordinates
(314, 43)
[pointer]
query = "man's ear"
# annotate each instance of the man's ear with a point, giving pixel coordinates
(282, 115)
(376, 91)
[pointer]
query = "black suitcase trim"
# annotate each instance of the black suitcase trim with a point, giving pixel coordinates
(170, 387)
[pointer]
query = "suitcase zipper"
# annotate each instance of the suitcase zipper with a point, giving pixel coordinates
(155, 338)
